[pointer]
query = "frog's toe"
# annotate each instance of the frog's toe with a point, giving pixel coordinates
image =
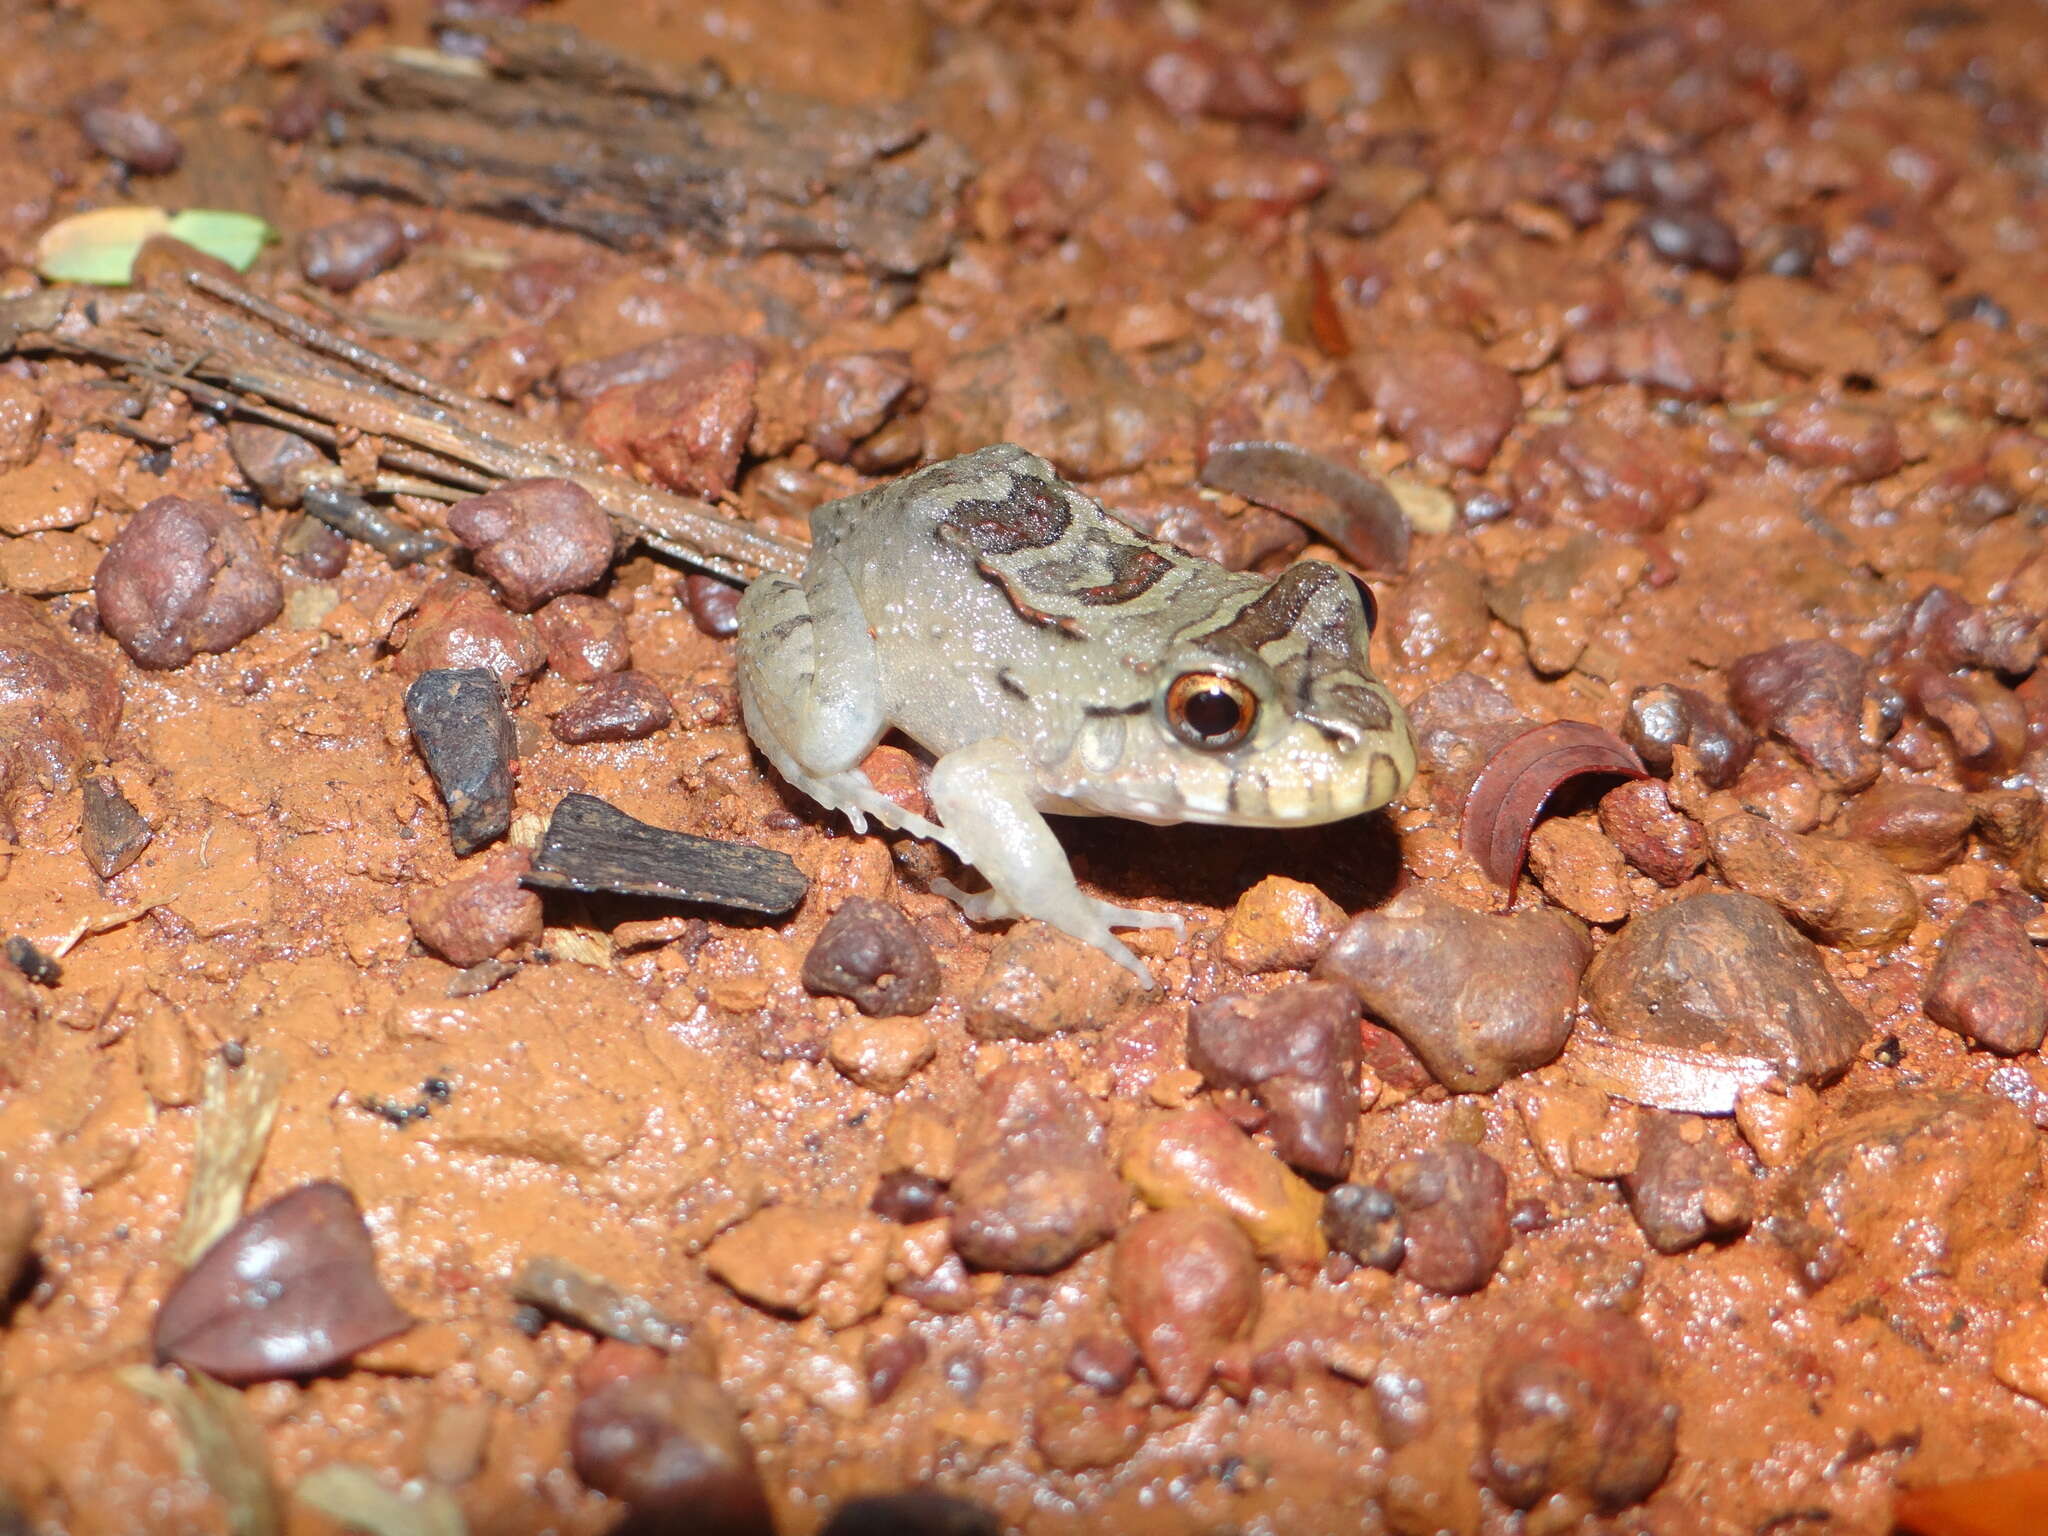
(979, 906)
(1120, 952)
(1138, 917)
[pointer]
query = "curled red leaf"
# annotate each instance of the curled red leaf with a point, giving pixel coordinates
(1509, 793)
(1358, 516)
(289, 1290)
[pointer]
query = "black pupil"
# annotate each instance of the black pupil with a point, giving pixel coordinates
(1212, 712)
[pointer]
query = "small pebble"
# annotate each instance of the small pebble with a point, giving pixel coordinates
(2020, 1357)
(1905, 1185)
(1574, 1409)
(1721, 973)
(1035, 1188)
(536, 539)
(885, 1363)
(922, 1513)
(1040, 981)
(1693, 237)
(680, 409)
(1988, 984)
(183, 577)
(316, 549)
(1478, 997)
(112, 832)
(1454, 1210)
(1651, 833)
(1446, 401)
(297, 114)
(824, 1261)
(1440, 614)
(1364, 1221)
(479, 914)
(1817, 433)
(714, 605)
(1809, 694)
(1663, 718)
(869, 952)
(1918, 827)
(23, 417)
(349, 252)
(1198, 1157)
(1187, 1285)
(458, 627)
(625, 706)
(1080, 1432)
(880, 1054)
(1201, 78)
(669, 1444)
(849, 398)
(1296, 1050)
(585, 637)
(906, 1197)
(1279, 925)
(1104, 1362)
(134, 138)
(1686, 1190)
(1579, 869)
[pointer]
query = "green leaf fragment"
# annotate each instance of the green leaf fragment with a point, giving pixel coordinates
(100, 246)
(235, 238)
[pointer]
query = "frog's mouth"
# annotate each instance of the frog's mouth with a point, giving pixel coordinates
(1301, 779)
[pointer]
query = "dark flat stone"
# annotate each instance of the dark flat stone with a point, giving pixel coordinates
(461, 728)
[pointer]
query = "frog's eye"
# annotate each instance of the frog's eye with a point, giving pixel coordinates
(1370, 603)
(1210, 711)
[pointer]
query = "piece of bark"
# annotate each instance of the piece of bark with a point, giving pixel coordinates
(567, 134)
(460, 725)
(591, 846)
(111, 831)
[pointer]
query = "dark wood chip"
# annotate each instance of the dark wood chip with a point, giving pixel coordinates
(460, 725)
(592, 846)
(290, 1290)
(575, 1295)
(112, 831)
(1358, 516)
(1507, 797)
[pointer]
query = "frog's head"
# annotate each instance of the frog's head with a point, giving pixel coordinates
(1269, 718)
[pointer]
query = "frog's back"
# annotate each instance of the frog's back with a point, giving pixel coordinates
(1003, 601)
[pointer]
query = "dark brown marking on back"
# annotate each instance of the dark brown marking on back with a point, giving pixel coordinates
(1033, 515)
(1133, 571)
(1018, 597)
(1276, 612)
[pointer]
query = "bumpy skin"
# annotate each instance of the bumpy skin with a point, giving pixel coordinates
(1028, 640)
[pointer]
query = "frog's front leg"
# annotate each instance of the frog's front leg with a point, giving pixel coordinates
(808, 690)
(984, 795)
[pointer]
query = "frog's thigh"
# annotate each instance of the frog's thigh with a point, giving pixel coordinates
(813, 712)
(983, 794)
(808, 670)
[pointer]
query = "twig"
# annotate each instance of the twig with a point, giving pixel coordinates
(230, 349)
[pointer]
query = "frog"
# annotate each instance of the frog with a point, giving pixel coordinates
(1052, 659)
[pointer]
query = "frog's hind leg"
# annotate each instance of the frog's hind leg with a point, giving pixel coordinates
(983, 794)
(809, 691)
